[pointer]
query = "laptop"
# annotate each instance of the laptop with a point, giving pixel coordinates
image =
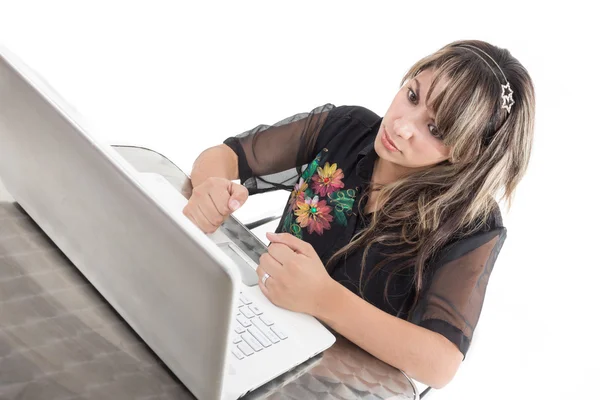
(190, 296)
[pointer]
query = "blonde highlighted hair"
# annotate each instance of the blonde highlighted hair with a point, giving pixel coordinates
(490, 153)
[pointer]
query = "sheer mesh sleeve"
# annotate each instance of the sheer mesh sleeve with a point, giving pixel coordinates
(271, 156)
(452, 302)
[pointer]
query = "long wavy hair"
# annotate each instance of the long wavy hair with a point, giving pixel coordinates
(490, 153)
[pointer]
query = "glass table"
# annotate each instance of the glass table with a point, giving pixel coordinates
(59, 338)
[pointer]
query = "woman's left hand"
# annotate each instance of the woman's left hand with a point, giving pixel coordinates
(298, 280)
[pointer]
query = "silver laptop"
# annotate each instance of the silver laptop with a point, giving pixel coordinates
(192, 298)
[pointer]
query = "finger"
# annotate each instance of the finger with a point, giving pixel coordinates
(206, 205)
(190, 216)
(281, 252)
(298, 245)
(203, 223)
(270, 265)
(264, 289)
(239, 195)
(261, 273)
(220, 198)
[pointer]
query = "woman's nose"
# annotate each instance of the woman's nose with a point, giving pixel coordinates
(403, 130)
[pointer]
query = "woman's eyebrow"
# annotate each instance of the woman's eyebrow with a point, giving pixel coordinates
(418, 96)
(418, 86)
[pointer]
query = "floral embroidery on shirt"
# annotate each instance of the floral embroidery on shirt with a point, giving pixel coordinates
(314, 214)
(299, 189)
(315, 207)
(327, 179)
(343, 200)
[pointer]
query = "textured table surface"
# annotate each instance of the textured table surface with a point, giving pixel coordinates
(59, 339)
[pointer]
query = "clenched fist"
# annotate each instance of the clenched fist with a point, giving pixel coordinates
(212, 201)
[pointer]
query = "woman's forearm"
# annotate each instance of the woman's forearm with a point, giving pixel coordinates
(424, 355)
(218, 161)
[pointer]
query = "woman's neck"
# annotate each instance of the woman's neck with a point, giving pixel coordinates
(385, 172)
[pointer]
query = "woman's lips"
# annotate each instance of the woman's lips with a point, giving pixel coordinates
(387, 142)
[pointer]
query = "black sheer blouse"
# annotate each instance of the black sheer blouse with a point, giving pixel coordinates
(325, 158)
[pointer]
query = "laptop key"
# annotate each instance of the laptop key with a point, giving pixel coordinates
(237, 339)
(265, 331)
(259, 336)
(244, 299)
(247, 313)
(279, 332)
(239, 330)
(255, 344)
(237, 352)
(245, 323)
(255, 309)
(266, 320)
(245, 349)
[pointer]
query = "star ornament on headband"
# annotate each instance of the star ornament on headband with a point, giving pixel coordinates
(507, 99)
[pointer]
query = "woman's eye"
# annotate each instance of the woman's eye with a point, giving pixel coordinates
(410, 98)
(413, 100)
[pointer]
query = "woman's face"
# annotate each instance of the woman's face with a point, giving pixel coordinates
(408, 136)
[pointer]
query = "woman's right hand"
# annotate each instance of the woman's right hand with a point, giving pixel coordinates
(212, 201)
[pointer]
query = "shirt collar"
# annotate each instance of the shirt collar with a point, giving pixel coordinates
(367, 156)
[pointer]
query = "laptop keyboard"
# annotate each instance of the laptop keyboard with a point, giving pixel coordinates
(254, 331)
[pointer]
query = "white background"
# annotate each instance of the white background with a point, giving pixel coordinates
(179, 77)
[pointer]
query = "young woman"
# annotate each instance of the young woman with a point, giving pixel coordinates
(392, 228)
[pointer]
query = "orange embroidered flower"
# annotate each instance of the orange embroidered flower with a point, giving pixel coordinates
(313, 214)
(327, 179)
(298, 191)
